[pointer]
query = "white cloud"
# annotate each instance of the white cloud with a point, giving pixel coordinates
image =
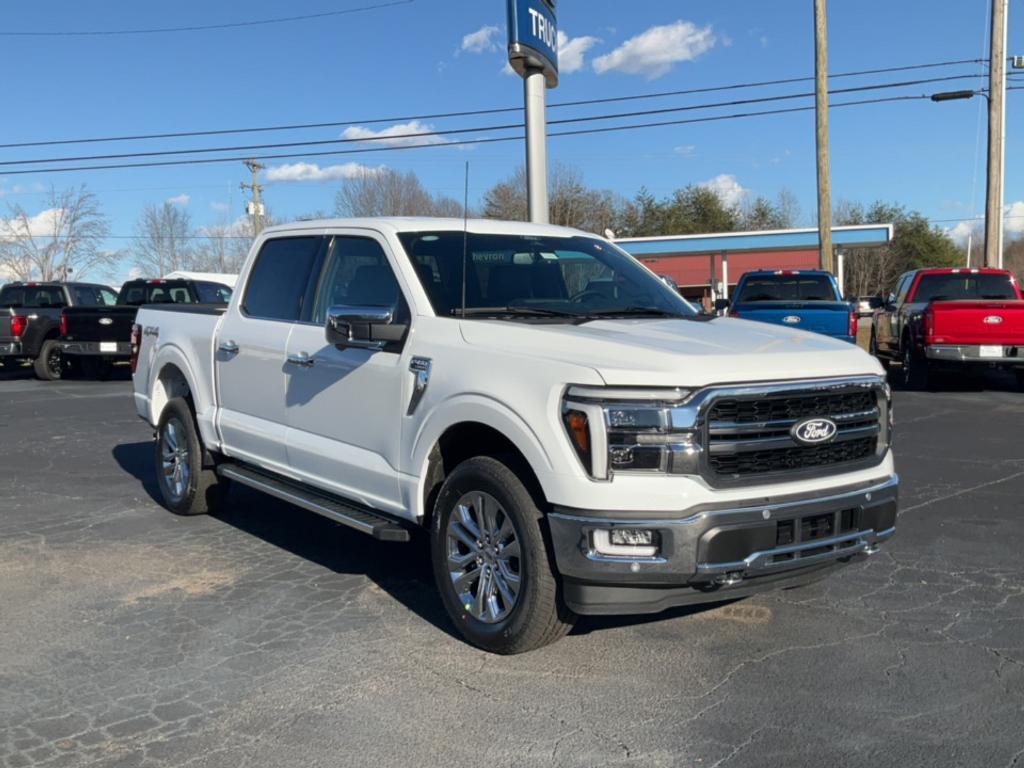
(572, 51)
(219, 206)
(1013, 224)
(399, 135)
(136, 273)
(686, 150)
(507, 70)
(43, 223)
(313, 172)
(652, 53)
(182, 199)
(960, 232)
(481, 41)
(728, 189)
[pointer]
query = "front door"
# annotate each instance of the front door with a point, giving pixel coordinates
(345, 405)
(251, 348)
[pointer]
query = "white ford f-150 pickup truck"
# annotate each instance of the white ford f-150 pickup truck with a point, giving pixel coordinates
(575, 436)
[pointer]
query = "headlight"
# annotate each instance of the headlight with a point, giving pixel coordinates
(631, 430)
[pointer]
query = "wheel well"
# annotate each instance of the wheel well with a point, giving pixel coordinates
(171, 383)
(468, 440)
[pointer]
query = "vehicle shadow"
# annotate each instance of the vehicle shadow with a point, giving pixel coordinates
(951, 381)
(403, 571)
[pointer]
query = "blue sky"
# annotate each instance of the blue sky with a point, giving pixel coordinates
(415, 58)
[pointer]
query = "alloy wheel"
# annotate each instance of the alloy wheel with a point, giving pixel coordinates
(175, 459)
(483, 557)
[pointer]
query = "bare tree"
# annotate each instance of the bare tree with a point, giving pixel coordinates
(224, 246)
(571, 202)
(163, 239)
(384, 192)
(65, 237)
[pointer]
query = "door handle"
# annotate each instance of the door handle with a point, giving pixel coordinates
(303, 360)
(228, 347)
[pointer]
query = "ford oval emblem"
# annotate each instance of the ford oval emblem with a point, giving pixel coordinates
(106, 321)
(993, 320)
(814, 431)
(791, 319)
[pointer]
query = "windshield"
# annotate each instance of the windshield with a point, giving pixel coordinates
(536, 276)
(960, 287)
(787, 288)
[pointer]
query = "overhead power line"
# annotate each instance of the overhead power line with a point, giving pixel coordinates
(201, 27)
(482, 129)
(459, 143)
(481, 112)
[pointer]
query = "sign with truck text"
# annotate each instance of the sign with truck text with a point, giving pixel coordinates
(533, 38)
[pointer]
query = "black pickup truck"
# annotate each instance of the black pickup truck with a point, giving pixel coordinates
(30, 321)
(96, 337)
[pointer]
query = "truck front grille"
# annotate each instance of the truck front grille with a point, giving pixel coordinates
(748, 436)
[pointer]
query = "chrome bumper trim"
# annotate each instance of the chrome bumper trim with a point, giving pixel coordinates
(970, 353)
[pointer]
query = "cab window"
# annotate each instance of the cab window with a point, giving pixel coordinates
(357, 274)
(277, 283)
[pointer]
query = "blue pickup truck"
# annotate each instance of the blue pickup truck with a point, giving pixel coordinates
(806, 299)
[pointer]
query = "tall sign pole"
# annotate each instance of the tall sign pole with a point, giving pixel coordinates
(996, 137)
(533, 54)
(821, 135)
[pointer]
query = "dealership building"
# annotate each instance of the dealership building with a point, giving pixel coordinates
(709, 266)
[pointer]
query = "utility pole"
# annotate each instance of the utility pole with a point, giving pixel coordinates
(255, 206)
(996, 136)
(825, 257)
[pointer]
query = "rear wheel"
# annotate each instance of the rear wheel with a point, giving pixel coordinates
(49, 365)
(492, 566)
(186, 486)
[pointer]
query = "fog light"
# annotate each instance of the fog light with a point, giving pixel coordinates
(626, 542)
(632, 537)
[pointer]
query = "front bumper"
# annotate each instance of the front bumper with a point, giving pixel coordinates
(721, 551)
(118, 348)
(971, 353)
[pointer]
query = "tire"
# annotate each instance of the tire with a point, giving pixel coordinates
(873, 350)
(187, 488)
(915, 371)
(513, 553)
(49, 365)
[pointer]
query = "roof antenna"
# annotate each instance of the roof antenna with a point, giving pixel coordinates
(465, 238)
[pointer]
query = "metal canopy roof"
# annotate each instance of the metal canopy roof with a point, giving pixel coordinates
(860, 236)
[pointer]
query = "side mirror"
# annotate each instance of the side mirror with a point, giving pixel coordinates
(360, 327)
(890, 300)
(721, 305)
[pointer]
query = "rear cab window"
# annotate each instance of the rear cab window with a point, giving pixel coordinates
(32, 296)
(213, 293)
(965, 287)
(156, 292)
(93, 296)
(787, 288)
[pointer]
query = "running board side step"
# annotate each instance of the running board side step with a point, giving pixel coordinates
(359, 518)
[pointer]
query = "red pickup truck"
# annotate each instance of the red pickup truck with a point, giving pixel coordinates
(950, 318)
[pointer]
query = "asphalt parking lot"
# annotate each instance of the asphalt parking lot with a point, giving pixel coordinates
(270, 637)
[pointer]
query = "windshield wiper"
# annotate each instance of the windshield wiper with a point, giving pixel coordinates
(510, 311)
(603, 314)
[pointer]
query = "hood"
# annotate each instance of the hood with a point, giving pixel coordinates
(646, 352)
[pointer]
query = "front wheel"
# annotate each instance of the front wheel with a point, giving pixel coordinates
(186, 486)
(492, 566)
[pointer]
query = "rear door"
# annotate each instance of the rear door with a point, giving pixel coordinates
(251, 348)
(345, 406)
(887, 320)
